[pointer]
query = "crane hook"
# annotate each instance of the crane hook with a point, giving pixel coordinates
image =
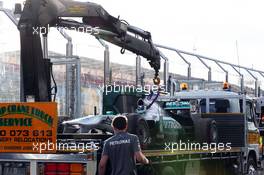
(156, 79)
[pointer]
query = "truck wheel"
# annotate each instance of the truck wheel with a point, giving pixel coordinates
(168, 170)
(142, 131)
(251, 166)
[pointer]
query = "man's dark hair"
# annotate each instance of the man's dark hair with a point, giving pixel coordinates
(119, 122)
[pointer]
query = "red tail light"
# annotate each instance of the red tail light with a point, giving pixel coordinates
(50, 167)
(63, 169)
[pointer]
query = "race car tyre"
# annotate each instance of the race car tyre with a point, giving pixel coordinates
(142, 131)
(139, 127)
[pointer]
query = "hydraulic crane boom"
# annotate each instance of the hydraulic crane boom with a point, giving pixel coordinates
(52, 13)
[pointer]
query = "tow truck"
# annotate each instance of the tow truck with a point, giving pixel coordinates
(194, 116)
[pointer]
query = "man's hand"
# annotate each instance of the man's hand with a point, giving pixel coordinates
(147, 161)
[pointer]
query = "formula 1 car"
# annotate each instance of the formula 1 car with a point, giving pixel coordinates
(154, 121)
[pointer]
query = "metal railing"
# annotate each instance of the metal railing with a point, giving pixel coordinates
(219, 63)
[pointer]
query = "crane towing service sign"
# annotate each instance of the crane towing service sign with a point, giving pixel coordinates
(23, 125)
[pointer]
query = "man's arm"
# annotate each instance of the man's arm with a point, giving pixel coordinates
(104, 159)
(102, 164)
(140, 157)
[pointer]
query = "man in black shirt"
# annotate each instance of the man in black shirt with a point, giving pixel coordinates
(122, 149)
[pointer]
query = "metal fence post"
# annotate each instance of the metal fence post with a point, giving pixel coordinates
(256, 82)
(69, 53)
(138, 71)
(208, 67)
(107, 73)
(221, 67)
(45, 47)
(165, 71)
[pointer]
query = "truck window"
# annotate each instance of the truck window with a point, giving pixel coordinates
(216, 106)
(249, 112)
(234, 105)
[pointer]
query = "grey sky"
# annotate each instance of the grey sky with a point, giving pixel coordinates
(207, 27)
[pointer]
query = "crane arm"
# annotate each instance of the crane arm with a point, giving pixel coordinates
(39, 14)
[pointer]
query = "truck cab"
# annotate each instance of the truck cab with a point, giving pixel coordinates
(235, 118)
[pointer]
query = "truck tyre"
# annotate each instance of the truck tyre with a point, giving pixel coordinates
(142, 131)
(168, 170)
(206, 131)
(251, 166)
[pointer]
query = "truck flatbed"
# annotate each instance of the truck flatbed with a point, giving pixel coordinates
(158, 156)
